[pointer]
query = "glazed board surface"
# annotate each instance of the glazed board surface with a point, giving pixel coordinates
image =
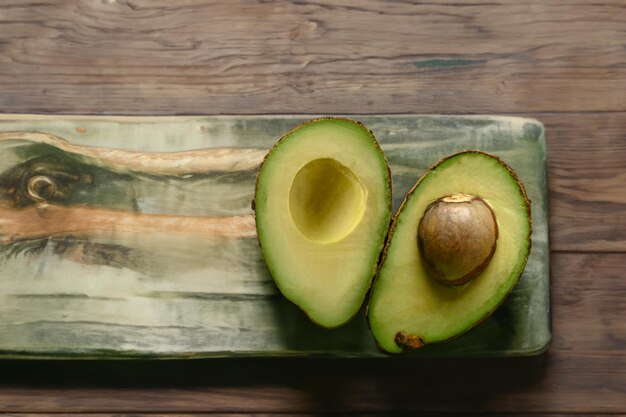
(176, 292)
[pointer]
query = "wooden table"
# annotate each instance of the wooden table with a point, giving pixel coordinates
(563, 63)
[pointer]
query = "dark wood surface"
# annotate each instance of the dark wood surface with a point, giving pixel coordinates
(563, 63)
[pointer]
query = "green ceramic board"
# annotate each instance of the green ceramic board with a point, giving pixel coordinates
(128, 237)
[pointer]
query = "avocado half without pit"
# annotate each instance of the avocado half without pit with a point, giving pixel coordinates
(456, 248)
(322, 209)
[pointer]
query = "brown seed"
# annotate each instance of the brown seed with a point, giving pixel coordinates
(457, 238)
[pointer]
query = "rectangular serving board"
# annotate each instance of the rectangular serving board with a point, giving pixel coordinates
(177, 294)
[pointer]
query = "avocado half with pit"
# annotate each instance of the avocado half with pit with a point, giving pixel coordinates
(456, 249)
(322, 209)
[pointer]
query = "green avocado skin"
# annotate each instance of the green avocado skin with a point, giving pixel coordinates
(408, 308)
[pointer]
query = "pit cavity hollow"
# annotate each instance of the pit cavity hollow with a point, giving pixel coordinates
(326, 200)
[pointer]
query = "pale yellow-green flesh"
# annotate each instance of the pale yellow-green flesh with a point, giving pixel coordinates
(326, 200)
(406, 300)
(322, 209)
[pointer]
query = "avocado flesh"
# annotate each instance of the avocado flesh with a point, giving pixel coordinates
(322, 207)
(408, 308)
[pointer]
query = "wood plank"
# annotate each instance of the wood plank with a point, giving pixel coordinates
(555, 383)
(589, 301)
(162, 57)
(586, 181)
(583, 372)
(117, 282)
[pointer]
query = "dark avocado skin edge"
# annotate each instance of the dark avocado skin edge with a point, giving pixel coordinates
(375, 266)
(393, 228)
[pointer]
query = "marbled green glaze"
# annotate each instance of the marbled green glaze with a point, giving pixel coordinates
(185, 296)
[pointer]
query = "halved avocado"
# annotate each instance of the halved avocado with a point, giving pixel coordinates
(323, 206)
(447, 266)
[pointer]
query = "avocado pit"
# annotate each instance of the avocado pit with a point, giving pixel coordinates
(457, 238)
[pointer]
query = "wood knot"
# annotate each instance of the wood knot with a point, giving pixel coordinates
(304, 30)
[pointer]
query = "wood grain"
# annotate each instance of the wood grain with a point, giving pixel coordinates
(567, 383)
(199, 57)
(584, 371)
(42, 222)
(586, 181)
(155, 163)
